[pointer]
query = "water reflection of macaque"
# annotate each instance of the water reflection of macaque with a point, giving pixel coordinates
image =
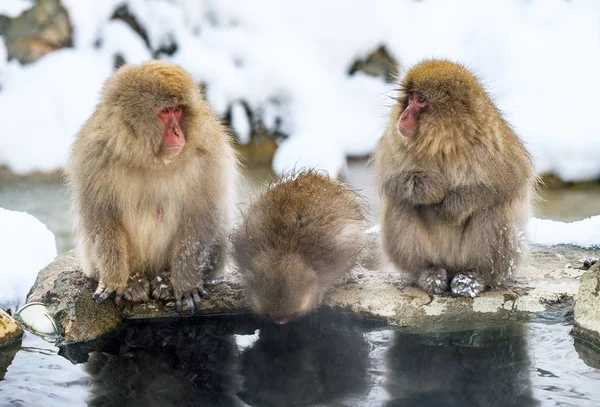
(472, 368)
(172, 365)
(310, 361)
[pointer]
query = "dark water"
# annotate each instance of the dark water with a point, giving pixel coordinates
(323, 360)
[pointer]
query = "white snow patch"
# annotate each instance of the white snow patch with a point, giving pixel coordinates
(87, 17)
(119, 38)
(13, 8)
(27, 247)
(583, 233)
(240, 122)
(44, 104)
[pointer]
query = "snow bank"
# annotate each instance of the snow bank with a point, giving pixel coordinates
(288, 62)
(27, 247)
(584, 233)
(12, 8)
(43, 105)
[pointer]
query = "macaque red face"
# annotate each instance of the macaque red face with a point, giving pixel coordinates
(409, 119)
(173, 137)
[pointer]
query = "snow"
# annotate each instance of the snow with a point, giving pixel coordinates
(44, 104)
(12, 8)
(289, 63)
(27, 247)
(545, 232)
(240, 122)
(119, 38)
(584, 233)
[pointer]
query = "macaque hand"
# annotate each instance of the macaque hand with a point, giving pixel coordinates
(422, 187)
(454, 209)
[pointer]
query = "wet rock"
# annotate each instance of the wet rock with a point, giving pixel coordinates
(67, 293)
(10, 331)
(544, 289)
(587, 307)
(7, 354)
(589, 353)
(43, 28)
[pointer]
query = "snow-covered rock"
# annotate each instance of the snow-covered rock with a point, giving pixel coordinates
(289, 64)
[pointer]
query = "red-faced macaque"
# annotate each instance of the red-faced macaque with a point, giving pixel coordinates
(456, 183)
(152, 174)
(297, 238)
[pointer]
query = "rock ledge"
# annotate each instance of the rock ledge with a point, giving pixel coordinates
(544, 289)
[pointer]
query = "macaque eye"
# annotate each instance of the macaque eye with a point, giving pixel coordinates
(422, 99)
(165, 110)
(177, 109)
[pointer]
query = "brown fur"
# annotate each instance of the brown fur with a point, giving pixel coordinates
(296, 239)
(457, 195)
(119, 177)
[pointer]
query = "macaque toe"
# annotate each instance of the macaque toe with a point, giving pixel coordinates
(138, 289)
(160, 289)
(466, 286)
(191, 301)
(434, 281)
(203, 293)
(102, 293)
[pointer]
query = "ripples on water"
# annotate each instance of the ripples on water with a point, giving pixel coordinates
(325, 359)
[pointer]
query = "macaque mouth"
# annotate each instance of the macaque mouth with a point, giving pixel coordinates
(408, 122)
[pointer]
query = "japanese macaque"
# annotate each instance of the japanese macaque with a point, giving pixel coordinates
(456, 183)
(297, 238)
(152, 173)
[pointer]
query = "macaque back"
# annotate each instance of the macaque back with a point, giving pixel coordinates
(297, 238)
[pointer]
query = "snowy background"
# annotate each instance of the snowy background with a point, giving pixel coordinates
(289, 61)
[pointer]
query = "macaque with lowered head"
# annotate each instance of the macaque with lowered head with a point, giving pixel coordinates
(456, 183)
(297, 238)
(152, 174)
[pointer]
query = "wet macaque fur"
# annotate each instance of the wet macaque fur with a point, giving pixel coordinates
(152, 175)
(456, 183)
(297, 238)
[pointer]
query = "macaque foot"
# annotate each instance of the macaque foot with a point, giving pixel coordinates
(191, 300)
(434, 281)
(104, 291)
(138, 289)
(160, 289)
(466, 286)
